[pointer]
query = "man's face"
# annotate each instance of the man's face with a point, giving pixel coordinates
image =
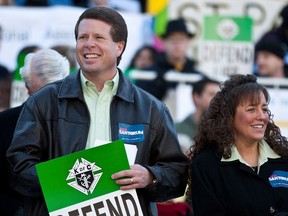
(202, 101)
(176, 45)
(269, 64)
(34, 84)
(96, 50)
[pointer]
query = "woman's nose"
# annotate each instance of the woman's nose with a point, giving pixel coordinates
(262, 114)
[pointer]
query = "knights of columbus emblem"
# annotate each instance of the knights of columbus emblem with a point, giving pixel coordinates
(85, 179)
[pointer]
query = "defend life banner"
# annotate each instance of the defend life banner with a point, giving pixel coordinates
(227, 47)
(264, 15)
(80, 183)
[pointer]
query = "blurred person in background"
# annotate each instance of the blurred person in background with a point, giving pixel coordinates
(6, 2)
(5, 83)
(43, 3)
(270, 58)
(91, 3)
(40, 68)
(21, 59)
(43, 67)
(133, 6)
(144, 59)
(202, 93)
(176, 41)
(70, 53)
(280, 31)
(17, 93)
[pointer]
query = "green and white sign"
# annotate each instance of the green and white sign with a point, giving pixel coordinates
(81, 184)
(219, 28)
(227, 46)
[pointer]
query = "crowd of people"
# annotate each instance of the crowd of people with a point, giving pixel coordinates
(218, 159)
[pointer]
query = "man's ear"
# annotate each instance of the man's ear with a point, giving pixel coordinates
(120, 48)
(195, 98)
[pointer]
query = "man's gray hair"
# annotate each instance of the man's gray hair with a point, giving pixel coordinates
(47, 64)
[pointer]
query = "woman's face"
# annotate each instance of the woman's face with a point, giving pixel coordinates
(144, 59)
(250, 121)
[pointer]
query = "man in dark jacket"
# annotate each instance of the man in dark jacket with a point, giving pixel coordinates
(10, 201)
(174, 58)
(95, 103)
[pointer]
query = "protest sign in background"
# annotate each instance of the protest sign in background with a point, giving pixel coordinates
(54, 25)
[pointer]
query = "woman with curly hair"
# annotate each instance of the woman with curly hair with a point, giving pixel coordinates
(239, 162)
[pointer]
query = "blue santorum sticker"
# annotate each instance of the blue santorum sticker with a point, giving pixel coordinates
(279, 179)
(131, 133)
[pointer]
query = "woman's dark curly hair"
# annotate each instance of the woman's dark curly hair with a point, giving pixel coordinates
(216, 126)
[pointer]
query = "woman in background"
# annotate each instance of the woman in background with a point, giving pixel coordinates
(144, 58)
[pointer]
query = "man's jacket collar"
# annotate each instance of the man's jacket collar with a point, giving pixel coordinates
(71, 87)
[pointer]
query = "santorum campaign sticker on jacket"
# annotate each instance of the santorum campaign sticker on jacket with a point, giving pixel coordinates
(131, 133)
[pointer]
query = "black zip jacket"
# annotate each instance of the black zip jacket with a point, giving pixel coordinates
(55, 122)
(234, 189)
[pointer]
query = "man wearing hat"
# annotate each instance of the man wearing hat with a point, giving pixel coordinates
(176, 44)
(270, 58)
(280, 31)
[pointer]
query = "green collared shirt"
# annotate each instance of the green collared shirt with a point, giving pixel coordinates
(99, 108)
(265, 152)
